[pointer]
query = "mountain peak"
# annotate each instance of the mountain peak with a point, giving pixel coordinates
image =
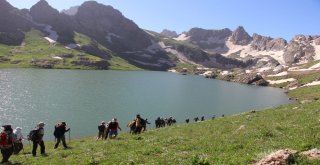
(169, 33)
(42, 12)
(240, 36)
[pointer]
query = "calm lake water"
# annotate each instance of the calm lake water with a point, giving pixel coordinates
(85, 98)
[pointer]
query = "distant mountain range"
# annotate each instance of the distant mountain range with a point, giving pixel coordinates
(108, 35)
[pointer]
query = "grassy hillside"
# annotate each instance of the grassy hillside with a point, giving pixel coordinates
(36, 52)
(240, 139)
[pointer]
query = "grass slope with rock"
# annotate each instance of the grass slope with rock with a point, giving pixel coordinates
(37, 52)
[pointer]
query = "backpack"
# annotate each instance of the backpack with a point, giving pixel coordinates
(113, 125)
(5, 140)
(101, 128)
(33, 134)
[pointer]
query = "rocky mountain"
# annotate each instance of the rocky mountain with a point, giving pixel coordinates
(104, 32)
(240, 37)
(169, 33)
(13, 24)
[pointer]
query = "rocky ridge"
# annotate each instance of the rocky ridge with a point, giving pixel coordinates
(222, 48)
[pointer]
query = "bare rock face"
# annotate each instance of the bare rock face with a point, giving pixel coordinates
(317, 41)
(101, 22)
(292, 53)
(213, 41)
(300, 49)
(260, 42)
(276, 44)
(169, 33)
(240, 37)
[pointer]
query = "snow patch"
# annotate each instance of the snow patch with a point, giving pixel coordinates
(281, 81)
(246, 50)
(316, 66)
(312, 84)
(57, 57)
(225, 72)
(317, 52)
(207, 73)
(72, 46)
(182, 37)
(279, 74)
(173, 71)
(53, 35)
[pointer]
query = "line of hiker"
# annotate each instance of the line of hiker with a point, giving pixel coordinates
(138, 125)
(109, 129)
(162, 122)
(11, 141)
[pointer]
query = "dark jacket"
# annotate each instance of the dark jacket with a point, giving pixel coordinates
(60, 130)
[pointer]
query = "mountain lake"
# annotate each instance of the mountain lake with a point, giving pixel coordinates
(84, 98)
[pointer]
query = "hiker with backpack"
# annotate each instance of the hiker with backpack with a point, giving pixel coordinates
(36, 136)
(59, 131)
(113, 128)
(18, 137)
(132, 126)
(138, 121)
(144, 123)
(102, 131)
(6, 143)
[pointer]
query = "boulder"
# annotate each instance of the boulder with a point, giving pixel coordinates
(312, 154)
(252, 79)
(280, 157)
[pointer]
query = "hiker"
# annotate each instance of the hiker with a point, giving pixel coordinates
(158, 122)
(59, 131)
(6, 143)
(113, 128)
(138, 124)
(144, 123)
(18, 137)
(36, 136)
(196, 119)
(132, 126)
(106, 134)
(102, 130)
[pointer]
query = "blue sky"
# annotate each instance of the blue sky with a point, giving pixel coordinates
(275, 18)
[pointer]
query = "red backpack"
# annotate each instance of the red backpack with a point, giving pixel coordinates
(5, 140)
